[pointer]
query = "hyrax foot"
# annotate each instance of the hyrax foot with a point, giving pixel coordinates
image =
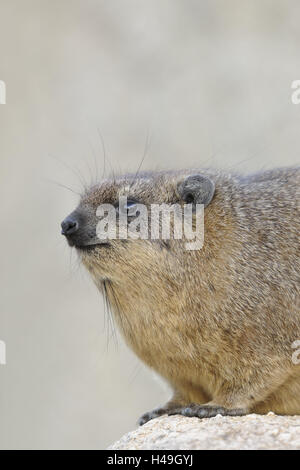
(206, 411)
(152, 414)
(175, 402)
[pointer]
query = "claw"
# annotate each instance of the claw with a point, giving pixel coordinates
(151, 415)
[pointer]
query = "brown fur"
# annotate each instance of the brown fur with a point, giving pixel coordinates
(217, 323)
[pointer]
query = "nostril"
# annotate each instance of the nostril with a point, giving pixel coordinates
(69, 226)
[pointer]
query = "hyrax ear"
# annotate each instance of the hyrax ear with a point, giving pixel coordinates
(196, 189)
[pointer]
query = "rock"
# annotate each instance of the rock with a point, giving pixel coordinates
(222, 432)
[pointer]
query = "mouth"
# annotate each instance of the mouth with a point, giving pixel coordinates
(90, 248)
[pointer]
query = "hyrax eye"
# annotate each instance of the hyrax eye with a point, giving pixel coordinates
(130, 205)
(129, 208)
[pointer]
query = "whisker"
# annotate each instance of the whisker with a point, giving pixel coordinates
(135, 372)
(103, 151)
(111, 324)
(95, 162)
(62, 186)
(146, 148)
(74, 170)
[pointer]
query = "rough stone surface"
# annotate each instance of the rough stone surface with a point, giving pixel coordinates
(222, 432)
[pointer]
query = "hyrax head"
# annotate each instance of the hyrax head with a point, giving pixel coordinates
(114, 223)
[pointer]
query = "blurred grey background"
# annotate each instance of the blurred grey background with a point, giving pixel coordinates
(210, 81)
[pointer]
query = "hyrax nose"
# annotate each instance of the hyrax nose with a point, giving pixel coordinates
(69, 225)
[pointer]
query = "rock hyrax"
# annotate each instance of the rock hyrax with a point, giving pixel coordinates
(217, 323)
